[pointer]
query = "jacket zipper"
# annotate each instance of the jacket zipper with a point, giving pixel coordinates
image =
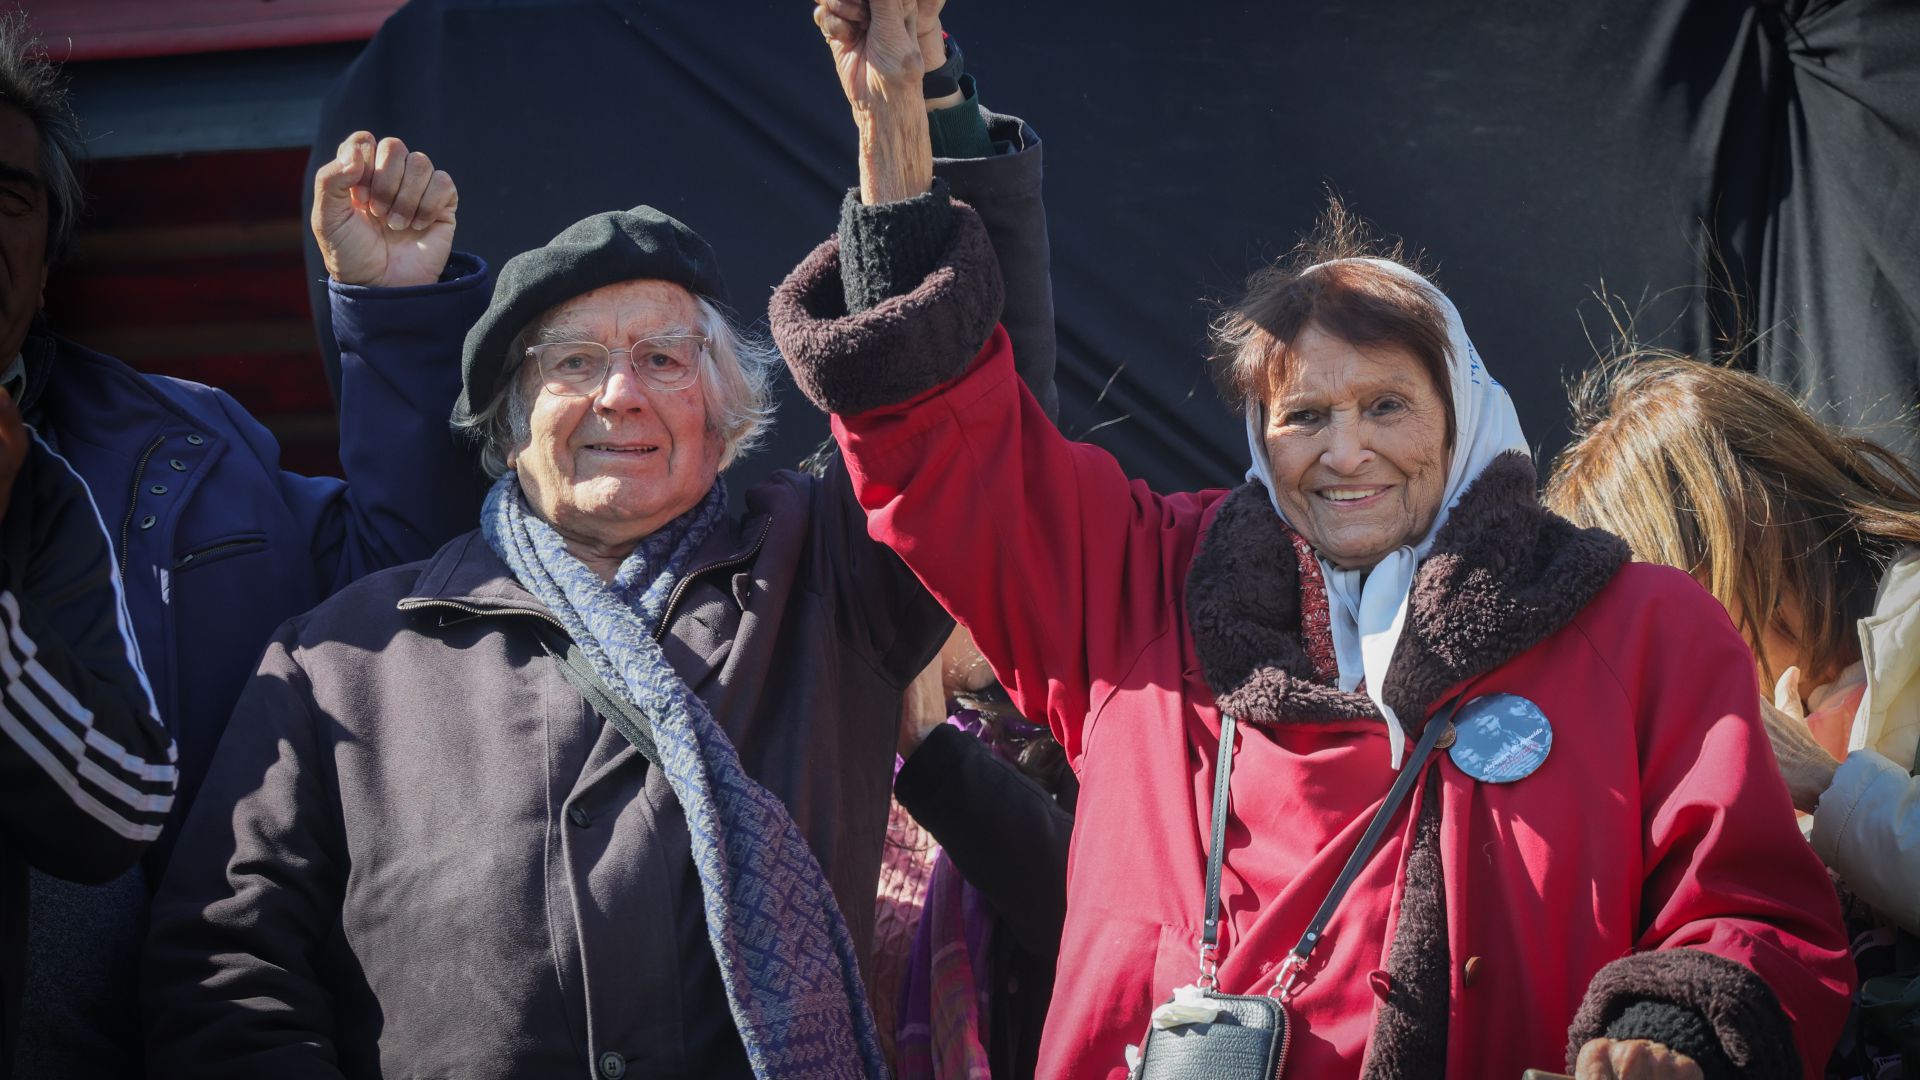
(1286, 1040)
(680, 588)
(192, 556)
(133, 504)
(666, 617)
(417, 605)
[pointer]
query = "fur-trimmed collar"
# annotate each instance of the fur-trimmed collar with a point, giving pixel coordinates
(1503, 575)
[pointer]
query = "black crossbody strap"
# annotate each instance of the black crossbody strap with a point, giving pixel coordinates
(1216, 850)
(630, 721)
(1357, 862)
(1297, 958)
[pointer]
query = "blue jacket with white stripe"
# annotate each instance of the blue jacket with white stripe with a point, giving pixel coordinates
(86, 768)
(216, 544)
(216, 547)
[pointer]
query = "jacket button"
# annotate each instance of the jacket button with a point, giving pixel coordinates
(194, 440)
(158, 489)
(579, 816)
(1470, 972)
(148, 521)
(612, 1066)
(177, 465)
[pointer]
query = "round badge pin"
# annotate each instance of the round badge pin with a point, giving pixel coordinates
(1500, 738)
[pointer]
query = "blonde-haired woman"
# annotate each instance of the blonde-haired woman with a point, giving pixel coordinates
(1811, 538)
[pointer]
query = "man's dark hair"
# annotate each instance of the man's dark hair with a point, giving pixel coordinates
(32, 84)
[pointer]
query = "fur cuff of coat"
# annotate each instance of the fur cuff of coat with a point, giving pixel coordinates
(903, 346)
(1753, 1032)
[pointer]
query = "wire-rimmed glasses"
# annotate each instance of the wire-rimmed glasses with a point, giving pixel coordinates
(580, 368)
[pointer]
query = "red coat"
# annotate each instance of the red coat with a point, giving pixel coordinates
(1658, 821)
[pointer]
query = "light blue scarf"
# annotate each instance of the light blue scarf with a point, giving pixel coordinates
(785, 957)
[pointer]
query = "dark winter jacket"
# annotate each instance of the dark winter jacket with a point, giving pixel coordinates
(86, 768)
(216, 543)
(217, 546)
(423, 855)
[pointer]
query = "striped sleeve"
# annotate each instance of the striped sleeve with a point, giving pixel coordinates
(122, 789)
(86, 765)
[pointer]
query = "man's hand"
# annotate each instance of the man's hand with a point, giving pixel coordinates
(14, 440)
(1633, 1059)
(922, 708)
(933, 43)
(382, 215)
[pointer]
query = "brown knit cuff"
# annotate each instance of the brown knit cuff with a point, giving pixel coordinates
(1746, 1017)
(904, 346)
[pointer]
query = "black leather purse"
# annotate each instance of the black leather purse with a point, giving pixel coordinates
(1202, 1034)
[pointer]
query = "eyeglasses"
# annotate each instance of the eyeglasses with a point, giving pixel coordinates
(581, 368)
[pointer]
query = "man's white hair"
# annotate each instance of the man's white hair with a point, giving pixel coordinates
(737, 368)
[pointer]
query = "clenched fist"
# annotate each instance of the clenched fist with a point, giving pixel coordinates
(383, 215)
(846, 20)
(876, 47)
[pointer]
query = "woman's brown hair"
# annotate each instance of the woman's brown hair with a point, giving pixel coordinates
(1363, 305)
(1722, 474)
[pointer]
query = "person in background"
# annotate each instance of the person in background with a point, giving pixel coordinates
(214, 542)
(1389, 562)
(1810, 537)
(995, 793)
(87, 770)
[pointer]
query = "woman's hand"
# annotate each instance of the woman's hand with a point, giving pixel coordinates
(933, 43)
(1633, 1059)
(878, 54)
(876, 47)
(382, 215)
(922, 708)
(1805, 765)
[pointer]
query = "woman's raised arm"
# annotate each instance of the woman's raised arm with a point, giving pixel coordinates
(1043, 547)
(880, 59)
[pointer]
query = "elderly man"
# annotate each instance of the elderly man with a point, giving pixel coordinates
(603, 784)
(216, 544)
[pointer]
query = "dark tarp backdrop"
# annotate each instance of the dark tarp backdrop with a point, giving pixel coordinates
(1535, 152)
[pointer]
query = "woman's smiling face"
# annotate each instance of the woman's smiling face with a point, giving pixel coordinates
(1357, 441)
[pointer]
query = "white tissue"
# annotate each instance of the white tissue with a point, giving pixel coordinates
(1189, 1006)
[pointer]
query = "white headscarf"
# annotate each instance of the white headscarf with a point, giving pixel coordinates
(1369, 607)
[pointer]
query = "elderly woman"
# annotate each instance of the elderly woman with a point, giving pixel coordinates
(601, 786)
(1600, 868)
(1811, 538)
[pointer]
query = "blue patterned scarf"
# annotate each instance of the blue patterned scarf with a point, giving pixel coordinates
(785, 957)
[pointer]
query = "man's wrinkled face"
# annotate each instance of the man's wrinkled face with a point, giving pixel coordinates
(607, 468)
(23, 230)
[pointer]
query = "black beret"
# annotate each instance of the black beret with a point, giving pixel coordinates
(605, 249)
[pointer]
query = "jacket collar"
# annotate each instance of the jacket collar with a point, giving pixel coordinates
(1504, 574)
(467, 579)
(1892, 664)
